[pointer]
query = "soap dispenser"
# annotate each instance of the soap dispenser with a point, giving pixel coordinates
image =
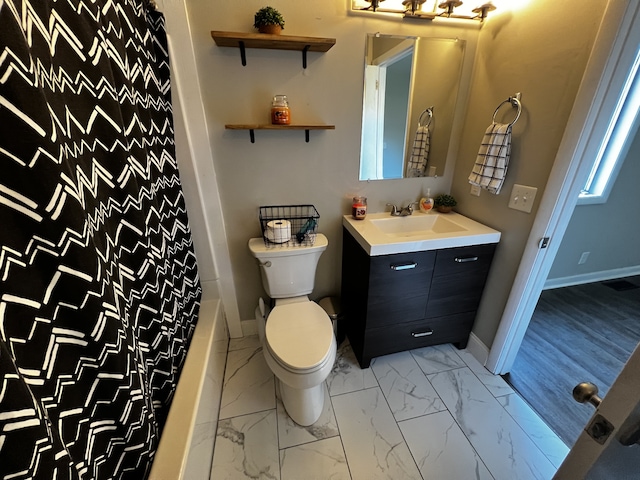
(426, 203)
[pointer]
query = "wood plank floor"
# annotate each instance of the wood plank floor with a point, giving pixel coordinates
(580, 333)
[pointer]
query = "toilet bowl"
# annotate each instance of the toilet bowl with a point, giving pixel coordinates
(296, 335)
(300, 349)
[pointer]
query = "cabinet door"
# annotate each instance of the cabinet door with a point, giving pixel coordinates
(458, 279)
(399, 287)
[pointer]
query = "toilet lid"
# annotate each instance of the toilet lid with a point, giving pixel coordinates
(299, 334)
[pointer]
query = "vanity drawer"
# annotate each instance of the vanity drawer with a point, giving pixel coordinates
(464, 260)
(406, 336)
(399, 287)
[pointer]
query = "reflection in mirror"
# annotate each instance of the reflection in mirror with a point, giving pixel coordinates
(405, 76)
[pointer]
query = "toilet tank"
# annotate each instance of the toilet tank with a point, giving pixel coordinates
(288, 271)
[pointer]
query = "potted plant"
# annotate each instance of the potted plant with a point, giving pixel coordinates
(444, 203)
(269, 20)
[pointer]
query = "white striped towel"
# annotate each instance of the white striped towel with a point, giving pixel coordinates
(417, 165)
(492, 161)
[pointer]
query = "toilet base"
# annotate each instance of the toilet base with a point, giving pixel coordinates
(305, 405)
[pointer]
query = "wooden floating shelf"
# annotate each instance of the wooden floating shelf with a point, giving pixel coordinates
(268, 126)
(272, 42)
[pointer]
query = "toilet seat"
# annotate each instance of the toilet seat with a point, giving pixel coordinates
(299, 336)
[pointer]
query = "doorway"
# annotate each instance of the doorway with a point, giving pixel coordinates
(587, 320)
(612, 60)
(388, 82)
(582, 330)
(580, 333)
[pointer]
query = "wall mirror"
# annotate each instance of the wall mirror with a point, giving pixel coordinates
(411, 88)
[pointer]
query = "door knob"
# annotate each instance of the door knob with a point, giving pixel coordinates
(598, 428)
(587, 392)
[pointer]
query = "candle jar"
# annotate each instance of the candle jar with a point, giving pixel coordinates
(280, 114)
(359, 208)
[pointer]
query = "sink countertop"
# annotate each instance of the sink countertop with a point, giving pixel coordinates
(376, 242)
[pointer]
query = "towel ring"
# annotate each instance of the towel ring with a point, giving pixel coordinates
(514, 103)
(428, 111)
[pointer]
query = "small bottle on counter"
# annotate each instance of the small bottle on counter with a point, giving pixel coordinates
(280, 114)
(359, 208)
(426, 203)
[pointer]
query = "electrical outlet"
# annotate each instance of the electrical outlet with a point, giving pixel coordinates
(522, 198)
(583, 258)
(475, 190)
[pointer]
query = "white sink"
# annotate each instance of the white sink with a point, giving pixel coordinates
(382, 234)
(416, 225)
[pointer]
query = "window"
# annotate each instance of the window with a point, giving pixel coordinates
(616, 142)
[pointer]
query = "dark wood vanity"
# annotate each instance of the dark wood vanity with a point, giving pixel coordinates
(403, 301)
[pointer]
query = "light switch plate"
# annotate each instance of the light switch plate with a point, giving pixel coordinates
(475, 190)
(522, 198)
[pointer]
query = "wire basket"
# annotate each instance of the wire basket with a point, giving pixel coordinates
(289, 225)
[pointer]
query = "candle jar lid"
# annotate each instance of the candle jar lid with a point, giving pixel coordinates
(280, 101)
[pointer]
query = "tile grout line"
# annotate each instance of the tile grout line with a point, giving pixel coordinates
(427, 379)
(339, 433)
(456, 420)
(502, 407)
(344, 450)
(534, 442)
(396, 420)
(466, 365)
(509, 413)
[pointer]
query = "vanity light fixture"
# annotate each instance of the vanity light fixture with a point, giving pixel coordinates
(483, 9)
(449, 6)
(412, 6)
(415, 9)
(374, 5)
(480, 11)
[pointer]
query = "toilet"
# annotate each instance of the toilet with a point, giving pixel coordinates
(296, 335)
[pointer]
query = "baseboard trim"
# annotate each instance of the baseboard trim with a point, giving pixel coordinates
(249, 327)
(478, 349)
(591, 277)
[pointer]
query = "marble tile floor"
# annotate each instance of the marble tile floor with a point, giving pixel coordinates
(430, 413)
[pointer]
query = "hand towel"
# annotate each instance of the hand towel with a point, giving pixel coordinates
(417, 165)
(492, 161)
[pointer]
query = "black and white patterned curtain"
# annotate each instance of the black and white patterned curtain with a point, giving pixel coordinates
(99, 290)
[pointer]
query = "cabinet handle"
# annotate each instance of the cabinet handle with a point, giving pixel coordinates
(405, 266)
(465, 259)
(421, 334)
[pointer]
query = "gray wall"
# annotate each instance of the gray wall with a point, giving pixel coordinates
(541, 51)
(610, 231)
(436, 84)
(529, 50)
(280, 168)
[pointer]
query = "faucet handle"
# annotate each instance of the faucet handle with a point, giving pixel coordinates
(394, 209)
(410, 206)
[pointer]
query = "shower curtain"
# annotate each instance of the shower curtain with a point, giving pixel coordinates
(99, 290)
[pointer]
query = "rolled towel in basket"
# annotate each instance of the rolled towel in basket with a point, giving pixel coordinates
(492, 161)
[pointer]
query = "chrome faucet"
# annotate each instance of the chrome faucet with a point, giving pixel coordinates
(394, 210)
(401, 211)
